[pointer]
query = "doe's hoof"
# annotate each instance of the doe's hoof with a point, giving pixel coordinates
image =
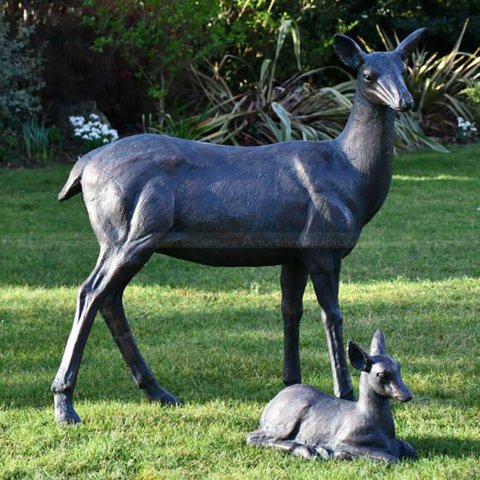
(348, 395)
(64, 411)
(289, 382)
(155, 393)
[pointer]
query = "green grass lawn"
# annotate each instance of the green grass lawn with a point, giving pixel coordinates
(214, 338)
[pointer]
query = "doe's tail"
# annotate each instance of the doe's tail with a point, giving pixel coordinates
(73, 185)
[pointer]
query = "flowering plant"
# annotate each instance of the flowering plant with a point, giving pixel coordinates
(466, 130)
(93, 132)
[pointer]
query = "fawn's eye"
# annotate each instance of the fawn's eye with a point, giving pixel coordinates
(367, 77)
(381, 376)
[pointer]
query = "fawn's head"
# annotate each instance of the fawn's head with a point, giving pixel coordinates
(383, 371)
(380, 74)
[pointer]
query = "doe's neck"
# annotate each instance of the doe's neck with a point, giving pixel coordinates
(367, 139)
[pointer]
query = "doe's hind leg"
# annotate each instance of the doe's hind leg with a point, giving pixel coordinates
(114, 315)
(115, 266)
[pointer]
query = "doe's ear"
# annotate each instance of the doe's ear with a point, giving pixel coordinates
(348, 51)
(409, 43)
(359, 358)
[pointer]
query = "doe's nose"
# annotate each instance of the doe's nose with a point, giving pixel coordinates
(406, 104)
(406, 101)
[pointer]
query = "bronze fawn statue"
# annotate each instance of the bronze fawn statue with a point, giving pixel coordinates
(301, 205)
(304, 421)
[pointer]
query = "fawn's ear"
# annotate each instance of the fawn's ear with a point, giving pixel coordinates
(408, 44)
(359, 358)
(377, 347)
(348, 51)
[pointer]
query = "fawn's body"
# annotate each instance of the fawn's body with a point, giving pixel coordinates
(304, 421)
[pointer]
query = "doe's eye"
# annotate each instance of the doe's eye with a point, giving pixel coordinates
(381, 376)
(367, 77)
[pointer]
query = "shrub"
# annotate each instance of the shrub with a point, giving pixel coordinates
(157, 39)
(20, 83)
(473, 95)
(20, 79)
(267, 111)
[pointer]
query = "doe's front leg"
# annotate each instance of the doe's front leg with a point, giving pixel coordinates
(293, 280)
(326, 290)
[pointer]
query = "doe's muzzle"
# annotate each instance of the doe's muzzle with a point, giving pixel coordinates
(405, 104)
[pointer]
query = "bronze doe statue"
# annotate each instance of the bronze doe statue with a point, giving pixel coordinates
(304, 421)
(301, 205)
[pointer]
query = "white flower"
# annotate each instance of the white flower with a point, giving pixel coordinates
(76, 121)
(93, 130)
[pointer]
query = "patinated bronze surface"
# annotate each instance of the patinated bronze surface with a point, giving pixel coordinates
(304, 421)
(301, 205)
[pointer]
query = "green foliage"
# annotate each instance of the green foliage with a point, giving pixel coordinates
(41, 144)
(36, 141)
(20, 80)
(157, 39)
(147, 46)
(410, 136)
(20, 83)
(473, 95)
(213, 336)
(267, 111)
(174, 125)
(8, 145)
(160, 40)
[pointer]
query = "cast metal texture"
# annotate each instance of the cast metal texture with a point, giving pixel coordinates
(301, 205)
(304, 421)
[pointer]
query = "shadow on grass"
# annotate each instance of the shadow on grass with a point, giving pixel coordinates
(241, 375)
(225, 352)
(53, 265)
(435, 446)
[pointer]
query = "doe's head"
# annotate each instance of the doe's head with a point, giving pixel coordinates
(380, 74)
(383, 371)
